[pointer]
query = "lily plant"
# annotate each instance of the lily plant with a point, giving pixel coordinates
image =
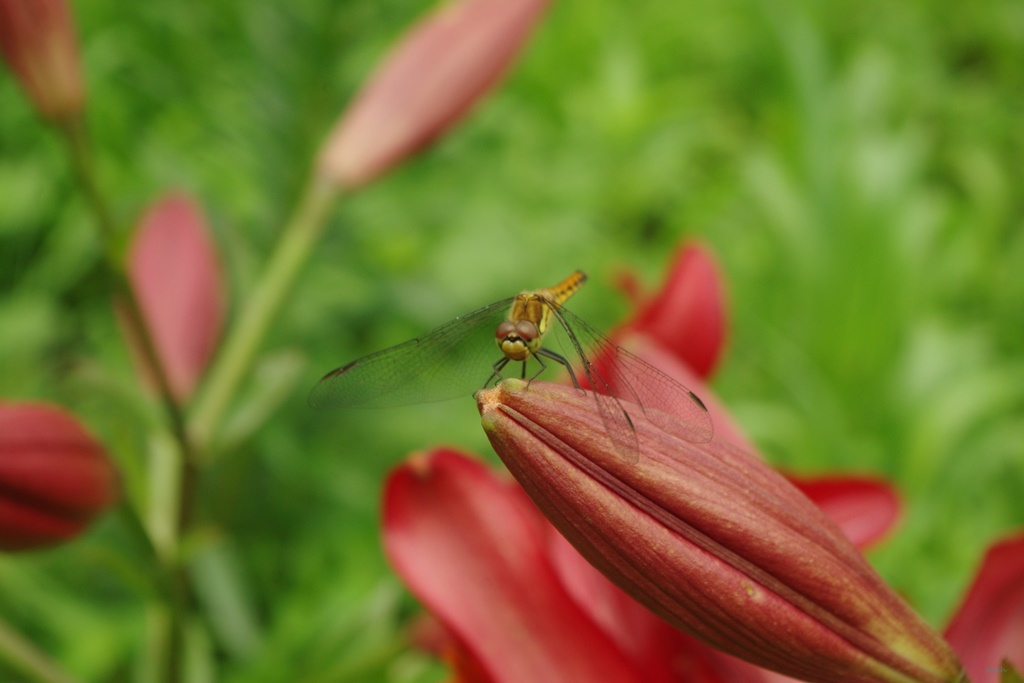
(697, 563)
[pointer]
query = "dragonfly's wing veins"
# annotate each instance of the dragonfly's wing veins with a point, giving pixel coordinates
(614, 372)
(456, 359)
(453, 360)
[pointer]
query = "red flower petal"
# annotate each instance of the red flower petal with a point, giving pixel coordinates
(174, 270)
(426, 85)
(688, 315)
(426, 633)
(700, 663)
(472, 548)
(647, 640)
(54, 477)
(37, 40)
(865, 508)
(989, 626)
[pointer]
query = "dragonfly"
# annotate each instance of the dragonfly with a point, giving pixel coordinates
(532, 326)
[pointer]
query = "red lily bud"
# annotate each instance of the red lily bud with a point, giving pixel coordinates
(37, 40)
(713, 541)
(430, 80)
(174, 270)
(54, 477)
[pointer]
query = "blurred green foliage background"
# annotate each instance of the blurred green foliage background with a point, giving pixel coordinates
(854, 166)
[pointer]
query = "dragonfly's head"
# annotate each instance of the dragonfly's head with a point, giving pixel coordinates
(517, 340)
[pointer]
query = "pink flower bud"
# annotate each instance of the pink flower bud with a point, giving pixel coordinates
(37, 40)
(54, 477)
(175, 272)
(713, 541)
(435, 74)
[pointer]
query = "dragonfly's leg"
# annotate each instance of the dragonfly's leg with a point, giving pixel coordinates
(557, 358)
(498, 366)
(543, 367)
(523, 376)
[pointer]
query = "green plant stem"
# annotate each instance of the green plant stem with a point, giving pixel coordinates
(163, 527)
(236, 356)
(81, 160)
(28, 660)
(175, 580)
(129, 516)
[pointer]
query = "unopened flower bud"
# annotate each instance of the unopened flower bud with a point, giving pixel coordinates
(431, 79)
(38, 42)
(713, 541)
(54, 476)
(172, 244)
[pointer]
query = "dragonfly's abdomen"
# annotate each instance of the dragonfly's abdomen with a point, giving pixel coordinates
(564, 289)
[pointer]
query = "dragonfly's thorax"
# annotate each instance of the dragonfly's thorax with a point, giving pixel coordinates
(521, 334)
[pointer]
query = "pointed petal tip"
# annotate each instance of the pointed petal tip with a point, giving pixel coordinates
(493, 399)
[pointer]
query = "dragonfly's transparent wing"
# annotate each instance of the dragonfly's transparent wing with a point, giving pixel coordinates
(616, 376)
(617, 422)
(450, 361)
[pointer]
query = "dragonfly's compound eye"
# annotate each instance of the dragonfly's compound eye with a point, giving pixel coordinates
(527, 330)
(504, 330)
